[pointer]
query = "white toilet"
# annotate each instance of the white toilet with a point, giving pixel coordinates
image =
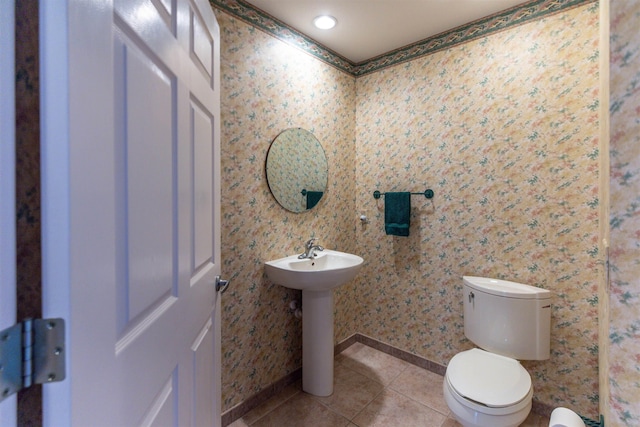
(487, 386)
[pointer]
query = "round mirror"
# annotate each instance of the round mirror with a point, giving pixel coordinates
(297, 170)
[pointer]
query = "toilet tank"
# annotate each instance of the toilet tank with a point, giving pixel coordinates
(507, 318)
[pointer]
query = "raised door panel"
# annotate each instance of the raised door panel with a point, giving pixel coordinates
(202, 47)
(202, 370)
(202, 143)
(147, 190)
(163, 410)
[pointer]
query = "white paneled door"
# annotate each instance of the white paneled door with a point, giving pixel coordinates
(131, 224)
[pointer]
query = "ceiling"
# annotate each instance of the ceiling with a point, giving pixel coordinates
(370, 28)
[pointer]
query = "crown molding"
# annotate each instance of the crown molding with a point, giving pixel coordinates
(530, 11)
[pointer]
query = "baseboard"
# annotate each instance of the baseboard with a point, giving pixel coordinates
(260, 397)
(401, 354)
(267, 393)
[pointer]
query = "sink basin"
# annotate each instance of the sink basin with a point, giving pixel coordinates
(327, 270)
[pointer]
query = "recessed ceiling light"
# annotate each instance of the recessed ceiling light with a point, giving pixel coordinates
(324, 22)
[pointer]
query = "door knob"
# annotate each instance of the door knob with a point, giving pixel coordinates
(221, 285)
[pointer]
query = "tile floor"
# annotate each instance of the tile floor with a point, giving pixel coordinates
(371, 388)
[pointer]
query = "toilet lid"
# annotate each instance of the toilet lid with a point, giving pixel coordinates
(493, 380)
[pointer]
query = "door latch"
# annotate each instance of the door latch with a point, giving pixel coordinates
(221, 285)
(31, 352)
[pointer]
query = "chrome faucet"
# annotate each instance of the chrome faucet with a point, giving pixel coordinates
(310, 249)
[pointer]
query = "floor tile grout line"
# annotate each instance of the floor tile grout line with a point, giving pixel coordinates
(350, 420)
(317, 399)
(367, 405)
(405, 364)
(389, 386)
(447, 415)
(382, 390)
(275, 407)
(376, 379)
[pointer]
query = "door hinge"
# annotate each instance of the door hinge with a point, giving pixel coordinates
(31, 352)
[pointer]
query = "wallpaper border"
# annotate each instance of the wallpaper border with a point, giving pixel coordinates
(535, 9)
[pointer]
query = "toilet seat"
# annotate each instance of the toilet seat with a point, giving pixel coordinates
(488, 379)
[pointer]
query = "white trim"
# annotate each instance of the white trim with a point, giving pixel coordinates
(54, 126)
(7, 185)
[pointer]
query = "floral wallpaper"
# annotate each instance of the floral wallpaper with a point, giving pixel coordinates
(624, 221)
(503, 129)
(267, 87)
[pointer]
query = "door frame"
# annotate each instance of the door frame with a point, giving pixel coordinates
(8, 408)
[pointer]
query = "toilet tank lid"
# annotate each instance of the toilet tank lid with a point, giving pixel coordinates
(506, 288)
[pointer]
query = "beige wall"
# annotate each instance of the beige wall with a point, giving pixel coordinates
(503, 129)
(268, 86)
(603, 295)
(624, 333)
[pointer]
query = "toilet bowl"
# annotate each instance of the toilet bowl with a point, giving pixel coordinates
(484, 389)
(487, 386)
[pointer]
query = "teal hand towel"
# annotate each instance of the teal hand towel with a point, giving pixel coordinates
(397, 210)
(313, 197)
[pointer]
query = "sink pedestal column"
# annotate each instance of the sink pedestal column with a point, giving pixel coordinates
(317, 342)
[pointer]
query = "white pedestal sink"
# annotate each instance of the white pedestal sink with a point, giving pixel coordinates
(316, 277)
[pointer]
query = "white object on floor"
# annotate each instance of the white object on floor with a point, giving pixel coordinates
(563, 417)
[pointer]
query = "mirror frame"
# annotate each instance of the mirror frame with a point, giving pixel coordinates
(297, 170)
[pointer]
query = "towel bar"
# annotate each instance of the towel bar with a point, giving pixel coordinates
(428, 193)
